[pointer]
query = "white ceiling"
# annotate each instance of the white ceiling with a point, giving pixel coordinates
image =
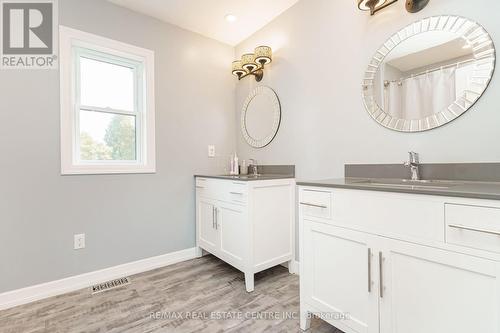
(206, 17)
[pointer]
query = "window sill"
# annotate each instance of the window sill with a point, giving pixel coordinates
(106, 170)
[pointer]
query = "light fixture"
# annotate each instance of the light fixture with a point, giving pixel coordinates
(248, 61)
(230, 18)
(374, 5)
(253, 63)
(263, 55)
(414, 6)
(238, 69)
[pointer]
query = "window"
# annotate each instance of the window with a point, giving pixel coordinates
(107, 105)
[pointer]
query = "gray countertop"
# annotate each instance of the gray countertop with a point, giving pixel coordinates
(463, 189)
(248, 177)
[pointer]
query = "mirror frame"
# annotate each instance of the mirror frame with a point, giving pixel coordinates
(261, 90)
(484, 54)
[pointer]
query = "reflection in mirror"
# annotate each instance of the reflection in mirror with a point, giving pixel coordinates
(424, 74)
(260, 117)
(429, 73)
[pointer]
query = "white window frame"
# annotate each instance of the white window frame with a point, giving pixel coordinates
(73, 44)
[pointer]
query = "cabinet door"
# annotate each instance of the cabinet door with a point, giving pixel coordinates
(205, 222)
(233, 233)
(435, 291)
(338, 276)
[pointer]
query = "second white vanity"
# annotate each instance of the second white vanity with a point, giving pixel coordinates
(247, 221)
(391, 258)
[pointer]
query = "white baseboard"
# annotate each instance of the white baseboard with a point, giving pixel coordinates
(37, 292)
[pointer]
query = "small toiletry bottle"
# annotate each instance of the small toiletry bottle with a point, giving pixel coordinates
(244, 167)
(231, 165)
(236, 165)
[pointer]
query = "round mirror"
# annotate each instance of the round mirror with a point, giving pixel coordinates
(428, 73)
(260, 117)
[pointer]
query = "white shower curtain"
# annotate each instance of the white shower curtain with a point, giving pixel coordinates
(393, 100)
(421, 96)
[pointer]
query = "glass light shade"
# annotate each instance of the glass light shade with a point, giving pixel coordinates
(369, 4)
(237, 68)
(263, 55)
(248, 61)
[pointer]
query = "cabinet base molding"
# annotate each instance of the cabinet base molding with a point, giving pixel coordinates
(307, 312)
(250, 273)
(293, 267)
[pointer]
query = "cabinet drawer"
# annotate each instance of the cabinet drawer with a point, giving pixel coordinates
(316, 203)
(236, 192)
(222, 190)
(206, 188)
(473, 226)
(201, 183)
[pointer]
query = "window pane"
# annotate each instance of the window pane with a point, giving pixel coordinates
(107, 136)
(106, 85)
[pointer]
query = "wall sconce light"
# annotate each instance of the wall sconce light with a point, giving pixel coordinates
(374, 5)
(412, 6)
(253, 63)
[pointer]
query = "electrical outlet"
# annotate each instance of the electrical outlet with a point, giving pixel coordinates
(211, 151)
(79, 241)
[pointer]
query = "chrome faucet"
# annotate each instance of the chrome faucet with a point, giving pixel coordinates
(253, 168)
(414, 165)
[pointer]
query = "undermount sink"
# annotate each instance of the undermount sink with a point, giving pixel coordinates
(408, 183)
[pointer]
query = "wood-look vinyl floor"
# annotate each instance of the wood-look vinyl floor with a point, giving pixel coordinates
(186, 297)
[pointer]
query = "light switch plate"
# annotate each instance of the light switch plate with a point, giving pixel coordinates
(79, 241)
(211, 151)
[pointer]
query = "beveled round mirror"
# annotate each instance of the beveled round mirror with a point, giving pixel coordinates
(428, 73)
(260, 117)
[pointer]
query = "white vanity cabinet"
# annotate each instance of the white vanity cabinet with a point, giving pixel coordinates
(248, 224)
(374, 262)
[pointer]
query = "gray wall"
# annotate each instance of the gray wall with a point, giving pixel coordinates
(125, 217)
(322, 48)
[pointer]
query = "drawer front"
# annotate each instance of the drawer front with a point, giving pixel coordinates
(222, 190)
(236, 192)
(386, 214)
(201, 183)
(316, 203)
(473, 226)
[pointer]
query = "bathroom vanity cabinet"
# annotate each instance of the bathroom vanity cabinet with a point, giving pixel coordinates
(248, 224)
(399, 263)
